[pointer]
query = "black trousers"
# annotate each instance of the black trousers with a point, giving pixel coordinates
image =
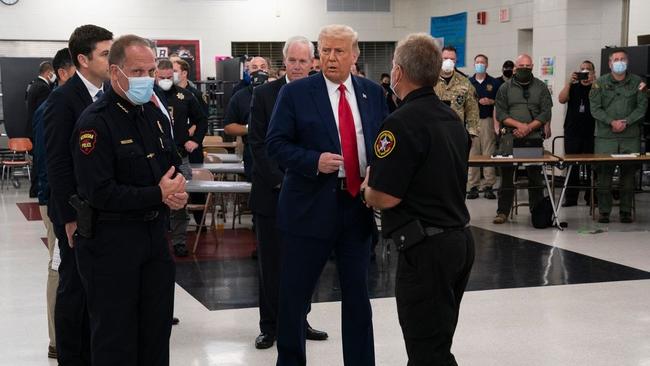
(70, 312)
(268, 260)
(577, 145)
(128, 274)
(269, 257)
(507, 193)
(303, 260)
(431, 280)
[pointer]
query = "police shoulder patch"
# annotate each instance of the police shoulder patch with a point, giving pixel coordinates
(87, 141)
(385, 144)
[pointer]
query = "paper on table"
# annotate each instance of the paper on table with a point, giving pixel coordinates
(625, 155)
(501, 157)
(56, 256)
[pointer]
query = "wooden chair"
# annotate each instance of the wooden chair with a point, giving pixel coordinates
(18, 148)
(208, 207)
(212, 140)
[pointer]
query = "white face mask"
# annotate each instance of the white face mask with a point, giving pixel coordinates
(52, 78)
(165, 84)
(177, 78)
(448, 65)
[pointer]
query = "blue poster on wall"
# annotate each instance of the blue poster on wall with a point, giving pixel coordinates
(451, 30)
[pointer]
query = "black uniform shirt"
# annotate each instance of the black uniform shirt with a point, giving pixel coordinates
(239, 108)
(579, 123)
(120, 152)
(421, 157)
(185, 111)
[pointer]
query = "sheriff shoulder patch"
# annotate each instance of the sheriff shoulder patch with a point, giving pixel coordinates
(385, 144)
(87, 141)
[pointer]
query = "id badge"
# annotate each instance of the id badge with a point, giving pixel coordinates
(582, 108)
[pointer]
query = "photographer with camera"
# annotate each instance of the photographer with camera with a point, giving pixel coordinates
(579, 125)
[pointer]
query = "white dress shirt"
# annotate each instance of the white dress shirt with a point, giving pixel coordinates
(333, 93)
(92, 89)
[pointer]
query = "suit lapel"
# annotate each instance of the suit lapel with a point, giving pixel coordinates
(81, 90)
(324, 106)
(364, 111)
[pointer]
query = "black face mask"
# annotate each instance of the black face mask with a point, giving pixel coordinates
(259, 77)
(524, 75)
(507, 73)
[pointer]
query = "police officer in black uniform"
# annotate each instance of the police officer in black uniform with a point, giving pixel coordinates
(423, 211)
(124, 160)
(187, 116)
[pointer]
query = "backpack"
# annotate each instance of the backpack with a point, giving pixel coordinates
(542, 214)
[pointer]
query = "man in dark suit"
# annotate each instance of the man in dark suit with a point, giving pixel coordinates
(89, 46)
(37, 92)
(322, 132)
(267, 179)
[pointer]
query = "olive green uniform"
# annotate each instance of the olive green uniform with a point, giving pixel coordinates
(460, 94)
(524, 104)
(613, 100)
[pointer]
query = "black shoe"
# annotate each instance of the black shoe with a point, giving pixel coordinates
(264, 341)
(180, 250)
(473, 193)
(603, 218)
(316, 335)
(51, 352)
(489, 194)
(626, 217)
(569, 203)
(175, 321)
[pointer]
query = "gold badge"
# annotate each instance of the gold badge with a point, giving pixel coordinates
(180, 96)
(126, 142)
(121, 106)
(385, 144)
(489, 87)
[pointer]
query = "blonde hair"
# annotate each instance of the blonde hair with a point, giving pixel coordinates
(340, 31)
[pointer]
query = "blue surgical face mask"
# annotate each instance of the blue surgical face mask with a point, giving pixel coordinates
(140, 88)
(393, 86)
(480, 68)
(619, 67)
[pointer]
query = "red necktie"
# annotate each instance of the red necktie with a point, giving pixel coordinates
(348, 135)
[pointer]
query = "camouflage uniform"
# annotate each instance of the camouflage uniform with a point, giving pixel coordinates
(461, 96)
(611, 100)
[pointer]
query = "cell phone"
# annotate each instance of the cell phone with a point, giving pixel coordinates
(582, 75)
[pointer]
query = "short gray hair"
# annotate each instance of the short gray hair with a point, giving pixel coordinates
(420, 59)
(298, 39)
(340, 31)
(117, 54)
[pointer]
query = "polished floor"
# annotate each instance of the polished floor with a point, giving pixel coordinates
(536, 297)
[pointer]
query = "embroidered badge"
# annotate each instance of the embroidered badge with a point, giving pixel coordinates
(460, 99)
(87, 141)
(180, 96)
(385, 144)
(488, 87)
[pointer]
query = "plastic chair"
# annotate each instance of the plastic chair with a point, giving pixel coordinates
(19, 148)
(207, 207)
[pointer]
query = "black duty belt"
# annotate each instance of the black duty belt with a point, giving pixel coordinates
(136, 216)
(431, 231)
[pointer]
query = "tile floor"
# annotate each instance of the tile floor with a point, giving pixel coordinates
(537, 297)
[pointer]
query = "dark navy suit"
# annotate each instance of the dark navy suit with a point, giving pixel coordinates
(65, 105)
(317, 217)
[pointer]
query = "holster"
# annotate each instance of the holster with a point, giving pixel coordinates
(86, 216)
(408, 235)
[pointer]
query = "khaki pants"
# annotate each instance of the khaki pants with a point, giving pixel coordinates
(52, 276)
(483, 144)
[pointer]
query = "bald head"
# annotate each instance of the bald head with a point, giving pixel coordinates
(257, 64)
(524, 60)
